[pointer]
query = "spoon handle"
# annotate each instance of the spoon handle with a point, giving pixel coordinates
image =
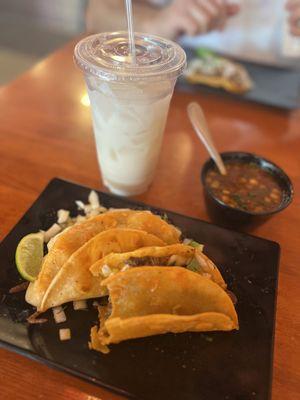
(198, 121)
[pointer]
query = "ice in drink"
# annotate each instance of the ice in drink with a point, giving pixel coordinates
(128, 125)
(129, 104)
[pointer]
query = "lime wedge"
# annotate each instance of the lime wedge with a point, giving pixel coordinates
(29, 255)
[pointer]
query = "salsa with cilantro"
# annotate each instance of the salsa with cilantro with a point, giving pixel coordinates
(246, 187)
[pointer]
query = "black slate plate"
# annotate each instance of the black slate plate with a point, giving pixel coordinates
(194, 366)
(273, 86)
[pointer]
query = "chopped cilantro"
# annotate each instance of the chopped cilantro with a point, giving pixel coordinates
(193, 265)
(195, 244)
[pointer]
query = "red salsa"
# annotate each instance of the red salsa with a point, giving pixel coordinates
(245, 186)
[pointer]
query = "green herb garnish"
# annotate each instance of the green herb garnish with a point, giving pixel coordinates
(193, 265)
(204, 53)
(196, 245)
(237, 198)
(193, 243)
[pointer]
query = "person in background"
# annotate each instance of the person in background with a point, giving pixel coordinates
(169, 19)
(293, 8)
(262, 32)
(252, 30)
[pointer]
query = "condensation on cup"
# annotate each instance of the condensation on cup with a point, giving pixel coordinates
(129, 103)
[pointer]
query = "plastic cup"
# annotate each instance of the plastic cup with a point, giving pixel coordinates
(129, 103)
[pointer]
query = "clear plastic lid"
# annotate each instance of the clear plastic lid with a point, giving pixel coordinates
(106, 55)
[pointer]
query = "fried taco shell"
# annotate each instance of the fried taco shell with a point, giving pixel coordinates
(74, 280)
(175, 254)
(148, 301)
(219, 72)
(77, 235)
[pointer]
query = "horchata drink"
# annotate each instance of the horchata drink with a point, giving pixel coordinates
(129, 103)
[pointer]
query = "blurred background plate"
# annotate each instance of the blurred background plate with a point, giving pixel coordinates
(273, 86)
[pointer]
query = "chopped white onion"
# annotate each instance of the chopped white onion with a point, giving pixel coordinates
(94, 199)
(95, 304)
(62, 216)
(205, 264)
(51, 232)
(65, 334)
(177, 260)
(106, 271)
(59, 314)
(126, 266)
(79, 305)
(80, 204)
(87, 209)
(172, 260)
(187, 241)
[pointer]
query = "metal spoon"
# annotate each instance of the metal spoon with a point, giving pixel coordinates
(200, 126)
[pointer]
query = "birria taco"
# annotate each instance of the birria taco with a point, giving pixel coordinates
(147, 301)
(177, 254)
(74, 280)
(76, 236)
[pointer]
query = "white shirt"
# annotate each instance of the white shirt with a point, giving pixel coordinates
(255, 34)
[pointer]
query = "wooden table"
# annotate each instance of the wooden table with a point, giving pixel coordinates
(46, 132)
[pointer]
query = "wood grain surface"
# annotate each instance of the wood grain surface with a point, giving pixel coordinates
(46, 132)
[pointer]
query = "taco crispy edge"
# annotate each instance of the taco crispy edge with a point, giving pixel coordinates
(148, 301)
(74, 280)
(77, 235)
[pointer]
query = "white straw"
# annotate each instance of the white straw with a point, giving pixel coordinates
(130, 31)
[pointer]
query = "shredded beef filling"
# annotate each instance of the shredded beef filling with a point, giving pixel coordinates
(150, 261)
